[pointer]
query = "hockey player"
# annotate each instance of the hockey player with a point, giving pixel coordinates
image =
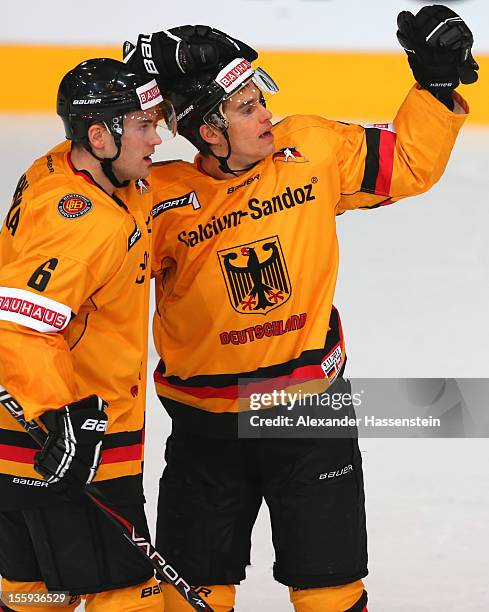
(74, 287)
(246, 258)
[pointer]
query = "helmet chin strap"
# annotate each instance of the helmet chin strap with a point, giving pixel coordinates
(106, 162)
(107, 169)
(223, 160)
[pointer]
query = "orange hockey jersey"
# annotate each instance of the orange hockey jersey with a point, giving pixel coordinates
(74, 278)
(246, 267)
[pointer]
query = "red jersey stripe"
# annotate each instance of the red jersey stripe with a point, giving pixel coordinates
(17, 453)
(110, 455)
(122, 453)
(386, 162)
(308, 372)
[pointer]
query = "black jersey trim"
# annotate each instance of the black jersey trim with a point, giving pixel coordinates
(372, 160)
(114, 440)
(219, 381)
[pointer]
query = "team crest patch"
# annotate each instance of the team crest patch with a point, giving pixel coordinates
(74, 205)
(289, 154)
(256, 276)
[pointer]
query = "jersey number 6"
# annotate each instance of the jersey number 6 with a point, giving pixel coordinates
(42, 276)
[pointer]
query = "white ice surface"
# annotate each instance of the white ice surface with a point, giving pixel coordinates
(414, 296)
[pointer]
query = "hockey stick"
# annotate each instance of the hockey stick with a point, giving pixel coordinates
(164, 569)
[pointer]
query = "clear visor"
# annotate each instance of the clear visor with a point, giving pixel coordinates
(239, 104)
(162, 117)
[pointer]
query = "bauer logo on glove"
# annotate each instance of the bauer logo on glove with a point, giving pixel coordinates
(182, 51)
(72, 451)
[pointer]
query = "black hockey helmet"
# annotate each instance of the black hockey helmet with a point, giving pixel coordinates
(104, 90)
(199, 98)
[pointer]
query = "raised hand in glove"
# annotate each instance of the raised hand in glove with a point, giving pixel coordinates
(72, 451)
(438, 44)
(184, 50)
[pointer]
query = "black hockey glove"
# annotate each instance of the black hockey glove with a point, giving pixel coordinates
(438, 44)
(72, 451)
(183, 50)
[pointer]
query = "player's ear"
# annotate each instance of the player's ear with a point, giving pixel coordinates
(210, 134)
(98, 136)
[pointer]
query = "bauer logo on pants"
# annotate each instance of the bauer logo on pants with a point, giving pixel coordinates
(256, 276)
(74, 205)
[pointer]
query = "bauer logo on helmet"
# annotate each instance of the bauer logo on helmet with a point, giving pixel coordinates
(88, 101)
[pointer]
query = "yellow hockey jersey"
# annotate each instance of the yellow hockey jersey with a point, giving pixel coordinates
(74, 291)
(246, 267)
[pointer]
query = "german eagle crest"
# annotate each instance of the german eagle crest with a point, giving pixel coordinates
(256, 276)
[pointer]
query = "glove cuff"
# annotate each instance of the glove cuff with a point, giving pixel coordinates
(445, 96)
(436, 79)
